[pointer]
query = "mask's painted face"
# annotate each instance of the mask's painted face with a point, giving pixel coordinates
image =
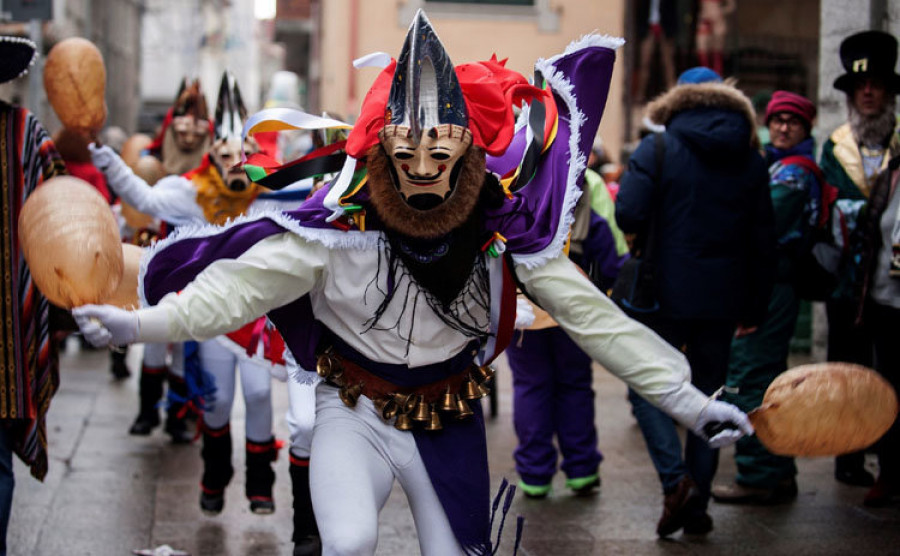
(426, 172)
(225, 155)
(189, 131)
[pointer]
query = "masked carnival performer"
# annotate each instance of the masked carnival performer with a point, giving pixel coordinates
(397, 283)
(214, 192)
(186, 134)
(183, 140)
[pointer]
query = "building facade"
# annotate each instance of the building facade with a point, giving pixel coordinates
(521, 30)
(197, 39)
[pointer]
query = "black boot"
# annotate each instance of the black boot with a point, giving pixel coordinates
(117, 365)
(176, 425)
(217, 469)
(150, 391)
(850, 469)
(260, 476)
(306, 532)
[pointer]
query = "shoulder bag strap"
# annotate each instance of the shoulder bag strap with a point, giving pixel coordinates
(805, 163)
(659, 152)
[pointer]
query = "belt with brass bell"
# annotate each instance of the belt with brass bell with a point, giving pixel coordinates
(409, 406)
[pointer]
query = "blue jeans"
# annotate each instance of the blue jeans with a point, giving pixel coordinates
(663, 442)
(707, 345)
(7, 482)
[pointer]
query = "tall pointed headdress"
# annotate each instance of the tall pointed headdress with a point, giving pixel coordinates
(190, 100)
(425, 91)
(230, 110)
(478, 95)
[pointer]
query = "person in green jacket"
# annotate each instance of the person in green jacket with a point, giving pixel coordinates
(759, 355)
(852, 157)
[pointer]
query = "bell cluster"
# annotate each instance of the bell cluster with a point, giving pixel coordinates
(409, 409)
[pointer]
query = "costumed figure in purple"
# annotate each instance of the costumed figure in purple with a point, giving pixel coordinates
(396, 283)
(552, 376)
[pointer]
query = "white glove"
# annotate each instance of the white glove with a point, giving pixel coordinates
(735, 422)
(524, 314)
(101, 156)
(104, 325)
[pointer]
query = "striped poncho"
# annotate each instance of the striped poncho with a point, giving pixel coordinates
(29, 372)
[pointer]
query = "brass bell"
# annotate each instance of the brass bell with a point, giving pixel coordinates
(470, 390)
(387, 407)
(484, 374)
(323, 365)
(405, 402)
(448, 402)
(329, 367)
(435, 423)
(422, 412)
(484, 390)
(464, 410)
(403, 422)
(349, 394)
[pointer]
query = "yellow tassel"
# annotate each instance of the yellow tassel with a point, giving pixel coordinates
(505, 185)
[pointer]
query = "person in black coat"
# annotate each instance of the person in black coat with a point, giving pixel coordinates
(713, 253)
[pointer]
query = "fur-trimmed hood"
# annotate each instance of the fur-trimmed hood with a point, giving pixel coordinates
(682, 98)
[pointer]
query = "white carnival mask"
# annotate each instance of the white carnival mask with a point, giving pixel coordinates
(424, 169)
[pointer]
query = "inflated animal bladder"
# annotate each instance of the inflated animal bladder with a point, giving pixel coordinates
(75, 81)
(824, 409)
(133, 148)
(126, 294)
(70, 241)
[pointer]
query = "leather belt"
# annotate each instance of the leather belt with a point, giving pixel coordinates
(408, 404)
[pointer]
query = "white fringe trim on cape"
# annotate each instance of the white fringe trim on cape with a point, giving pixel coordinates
(330, 238)
(563, 88)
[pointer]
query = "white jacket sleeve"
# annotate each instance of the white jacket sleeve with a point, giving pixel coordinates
(625, 347)
(232, 292)
(172, 199)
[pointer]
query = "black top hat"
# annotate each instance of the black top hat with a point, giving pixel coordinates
(869, 54)
(16, 54)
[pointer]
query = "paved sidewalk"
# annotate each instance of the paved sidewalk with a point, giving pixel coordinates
(108, 493)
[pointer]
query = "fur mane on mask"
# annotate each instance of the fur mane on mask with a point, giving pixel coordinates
(428, 224)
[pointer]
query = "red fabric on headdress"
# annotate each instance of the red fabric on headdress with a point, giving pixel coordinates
(490, 91)
(156, 145)
(371, 115)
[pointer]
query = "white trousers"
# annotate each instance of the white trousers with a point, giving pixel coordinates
(256, 385)
(355, 458)
(301, 416)
(157, 355)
